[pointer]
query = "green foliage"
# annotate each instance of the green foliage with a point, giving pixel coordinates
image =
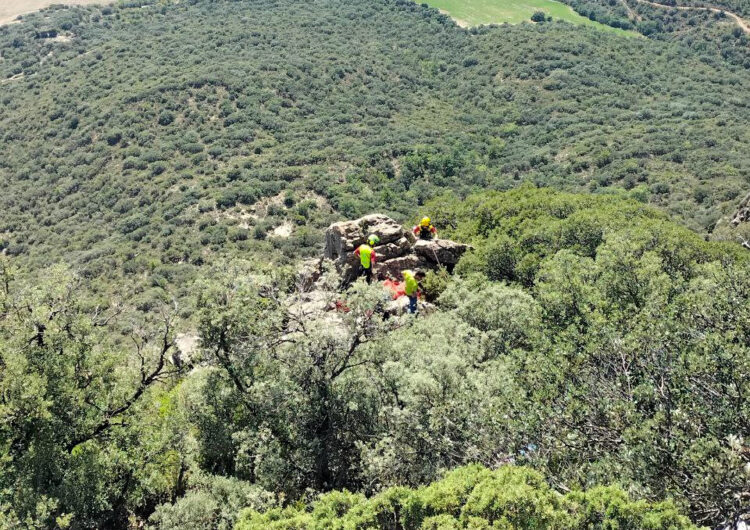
(611, 350)
(507, 317)
(434, 283)
(713, 35)
(514, 232)
(73, 447)
(606, 361)
(172, 153)
(282, 411)
(599, 360)
(587, 337)
(474, 497)
(211, 502)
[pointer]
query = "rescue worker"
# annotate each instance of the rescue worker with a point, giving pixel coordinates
(367, 256)
(411, 288)
(425, 230)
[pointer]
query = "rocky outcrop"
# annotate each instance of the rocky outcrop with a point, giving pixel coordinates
(319, 299)
(743, 213)
(440, 251)
(392, 268)
(308, 273)
(398, 248)
(342, 238)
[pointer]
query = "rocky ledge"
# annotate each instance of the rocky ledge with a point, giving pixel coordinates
(398, 248)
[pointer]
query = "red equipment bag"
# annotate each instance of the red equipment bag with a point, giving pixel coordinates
(397, 289)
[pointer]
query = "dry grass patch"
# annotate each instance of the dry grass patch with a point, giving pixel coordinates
(11, 9)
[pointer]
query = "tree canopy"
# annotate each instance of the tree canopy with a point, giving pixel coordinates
(167, 165)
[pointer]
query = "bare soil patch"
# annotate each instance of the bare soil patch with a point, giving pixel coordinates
(10, 9)
(284, 230)
(11, 79)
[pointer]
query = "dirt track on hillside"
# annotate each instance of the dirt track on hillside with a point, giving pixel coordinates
(740, 21)
(10, 9)
(631, 14)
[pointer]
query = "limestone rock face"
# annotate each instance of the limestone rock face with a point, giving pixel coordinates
(308, 273)
(440, 251)
(393, 250)
(392, 268)
(342, 238)
(397, 250)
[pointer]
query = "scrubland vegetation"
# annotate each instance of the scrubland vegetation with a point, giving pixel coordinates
(706, 33)
(587, 337)
(585, 367)
(144, 160)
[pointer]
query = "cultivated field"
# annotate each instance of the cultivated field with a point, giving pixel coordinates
(476, 12)
(10, 9)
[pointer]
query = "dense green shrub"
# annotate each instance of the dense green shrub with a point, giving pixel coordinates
(514, 232)
(474, 497)
(211, 502)
(76, 445)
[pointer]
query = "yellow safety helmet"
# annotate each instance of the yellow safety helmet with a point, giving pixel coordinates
(425, 221)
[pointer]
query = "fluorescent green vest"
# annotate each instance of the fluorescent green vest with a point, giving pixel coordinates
(365, 256)
(411, 285)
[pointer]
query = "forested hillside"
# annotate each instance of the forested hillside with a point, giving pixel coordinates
(167, 166)
(709, 33)
(741, 7)
(125, 160)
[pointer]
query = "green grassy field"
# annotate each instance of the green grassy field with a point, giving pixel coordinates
(476, 12)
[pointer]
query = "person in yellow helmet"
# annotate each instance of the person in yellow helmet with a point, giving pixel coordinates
(425, 230)
(411, 288)
(367, 256)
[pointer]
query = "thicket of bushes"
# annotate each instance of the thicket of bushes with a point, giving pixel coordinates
(474, 497)
(713, 36)
(587, 337)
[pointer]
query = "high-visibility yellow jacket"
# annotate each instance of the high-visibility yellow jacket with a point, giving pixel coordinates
(410, 284)
(366, 255)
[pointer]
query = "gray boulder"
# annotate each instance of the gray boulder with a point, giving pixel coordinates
(393, 250)
(308, 273)
(392, 268)
(439, 252)
(343, 238)
(397, 250)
